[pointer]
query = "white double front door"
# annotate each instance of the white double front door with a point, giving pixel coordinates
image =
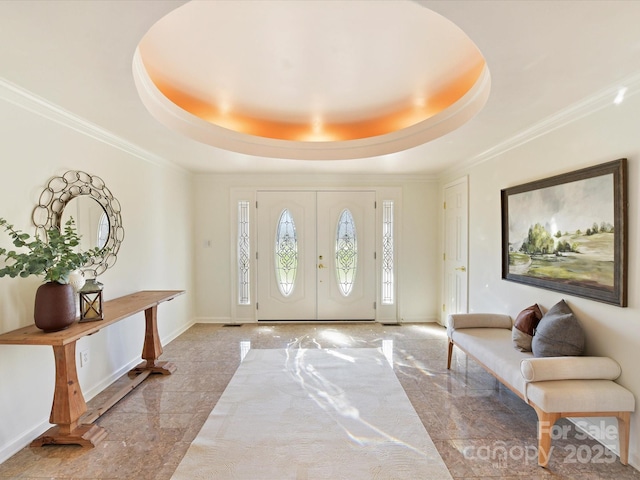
(316, 255)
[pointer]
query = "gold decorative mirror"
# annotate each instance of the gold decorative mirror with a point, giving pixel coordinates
(94, 209)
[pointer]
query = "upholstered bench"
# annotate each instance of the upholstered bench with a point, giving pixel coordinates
(555, 387)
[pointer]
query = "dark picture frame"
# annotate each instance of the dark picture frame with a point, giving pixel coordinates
(568, 233)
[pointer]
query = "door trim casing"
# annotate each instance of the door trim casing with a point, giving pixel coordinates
(463, 181)
(247, 313)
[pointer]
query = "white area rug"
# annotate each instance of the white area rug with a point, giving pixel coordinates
(313, 414)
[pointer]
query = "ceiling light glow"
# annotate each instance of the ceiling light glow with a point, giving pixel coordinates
(620, 96)
(317, 125)
(308, 109)
(225, 107)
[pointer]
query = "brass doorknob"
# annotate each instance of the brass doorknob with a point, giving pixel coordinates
(462, 269)
(320, 265)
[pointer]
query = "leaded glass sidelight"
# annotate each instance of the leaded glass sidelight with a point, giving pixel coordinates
(387, 253)
(244, 262)
(346, 252)
(286, 253)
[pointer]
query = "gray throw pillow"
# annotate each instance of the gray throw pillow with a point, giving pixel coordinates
(558, 334)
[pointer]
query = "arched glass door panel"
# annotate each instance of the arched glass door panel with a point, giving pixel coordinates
(286, 253)
(346, 252)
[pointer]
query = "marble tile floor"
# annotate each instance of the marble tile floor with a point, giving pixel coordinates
(480, 428)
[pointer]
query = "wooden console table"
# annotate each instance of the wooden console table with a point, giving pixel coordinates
(68, 402)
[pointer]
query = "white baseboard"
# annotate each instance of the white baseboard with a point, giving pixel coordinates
(100, 386)
(214, 320)
(223, 320)
(419, 320)
(178, 331)
(26, 438)
(9, 450)
(14, 447)
(599, 428)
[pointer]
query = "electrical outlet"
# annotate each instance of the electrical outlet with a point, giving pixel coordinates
(84, 358)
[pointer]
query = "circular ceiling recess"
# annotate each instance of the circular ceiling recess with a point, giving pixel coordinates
(310, 80)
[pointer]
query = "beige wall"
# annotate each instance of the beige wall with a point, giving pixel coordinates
(179, 236)
(602, 136)
(156, 253)
(417, 236)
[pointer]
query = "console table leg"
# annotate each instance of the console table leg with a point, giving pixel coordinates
(152, 348)
(68, 405)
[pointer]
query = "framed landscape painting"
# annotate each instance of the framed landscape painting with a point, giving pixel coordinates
(569, 233)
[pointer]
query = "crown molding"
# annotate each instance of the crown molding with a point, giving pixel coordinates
(23, 98)
(587, 106)
(319, 180)
(31, 102)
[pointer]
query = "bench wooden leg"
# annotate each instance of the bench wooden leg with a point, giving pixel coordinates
(546, 421)
(449, 354)
(623, 435)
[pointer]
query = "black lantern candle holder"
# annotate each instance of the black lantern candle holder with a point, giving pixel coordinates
(91, 301)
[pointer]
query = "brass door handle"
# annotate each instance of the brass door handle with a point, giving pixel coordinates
(320, 265)
(462, 269)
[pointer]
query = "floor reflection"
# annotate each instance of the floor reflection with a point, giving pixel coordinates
(150, 430)
(337, 338)
(387, 350)
(245, 346)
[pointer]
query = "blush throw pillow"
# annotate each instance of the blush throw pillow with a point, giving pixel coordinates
(559, 333)
(524, 327)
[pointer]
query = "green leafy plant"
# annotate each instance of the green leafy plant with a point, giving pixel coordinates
(55, 258)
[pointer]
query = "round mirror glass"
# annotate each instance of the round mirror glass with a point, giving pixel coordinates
(94, 209)
(92, 221)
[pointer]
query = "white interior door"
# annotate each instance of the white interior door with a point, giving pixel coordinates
(456, 249)
(316, 255)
